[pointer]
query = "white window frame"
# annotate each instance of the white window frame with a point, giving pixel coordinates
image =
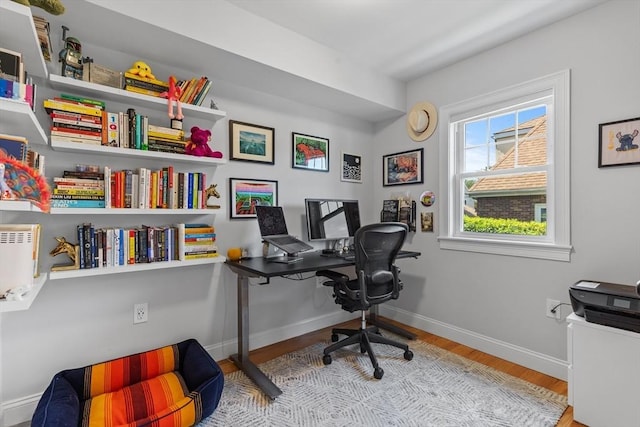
(556, 245)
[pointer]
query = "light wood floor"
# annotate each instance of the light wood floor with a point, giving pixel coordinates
(264, 354)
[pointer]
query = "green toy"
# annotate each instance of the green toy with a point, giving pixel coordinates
(54, 7)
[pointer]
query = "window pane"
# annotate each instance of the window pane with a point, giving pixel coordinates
(506, 204)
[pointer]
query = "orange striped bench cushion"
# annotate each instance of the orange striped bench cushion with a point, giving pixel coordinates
(160, 401)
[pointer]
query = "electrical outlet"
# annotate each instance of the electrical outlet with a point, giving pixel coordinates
(551, 303)
(140, 313)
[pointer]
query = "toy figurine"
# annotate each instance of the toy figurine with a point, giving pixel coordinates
(71, 250)
(211, 191)
(198, 144)
(71, 56)
(173, 94)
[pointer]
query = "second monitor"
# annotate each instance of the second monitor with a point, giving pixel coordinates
(331, 219)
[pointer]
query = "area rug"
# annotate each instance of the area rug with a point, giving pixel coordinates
(436, 388)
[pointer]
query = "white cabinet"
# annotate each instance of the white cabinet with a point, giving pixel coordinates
(603, 374)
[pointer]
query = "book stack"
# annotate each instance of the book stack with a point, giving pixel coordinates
(76, 119)
(14, 83)
(43, 31)
(165, 139)
(143, 85)
(79, 189)
(194, 90)
(197, 241)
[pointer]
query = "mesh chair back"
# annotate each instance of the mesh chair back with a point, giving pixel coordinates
(376, 248)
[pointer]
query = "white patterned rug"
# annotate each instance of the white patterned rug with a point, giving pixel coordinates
(436, 388)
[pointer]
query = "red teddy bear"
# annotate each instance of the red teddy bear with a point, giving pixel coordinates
(198, 144)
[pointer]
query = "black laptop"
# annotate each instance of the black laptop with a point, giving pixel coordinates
(273, 230)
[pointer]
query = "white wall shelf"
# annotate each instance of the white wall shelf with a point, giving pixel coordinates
(114, 211)
(132, 153)
(107, 93)
(18, 205)
(27, 299)
(18, 119)
(70, 274)
(18, 33)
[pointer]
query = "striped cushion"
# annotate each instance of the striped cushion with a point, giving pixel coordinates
(159, 401)
(115, 374)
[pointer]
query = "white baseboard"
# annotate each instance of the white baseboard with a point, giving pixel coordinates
(21, 410)
(552, 366)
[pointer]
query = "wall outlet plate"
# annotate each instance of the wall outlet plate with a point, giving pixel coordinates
(140, 312)
(551, 304)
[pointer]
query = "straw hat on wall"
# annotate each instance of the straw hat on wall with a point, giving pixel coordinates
(422, 121)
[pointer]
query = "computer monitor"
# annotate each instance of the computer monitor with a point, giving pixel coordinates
(331, 219)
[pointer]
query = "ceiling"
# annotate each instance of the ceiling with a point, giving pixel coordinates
(405, 39)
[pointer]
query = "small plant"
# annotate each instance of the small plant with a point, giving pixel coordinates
(504, 226)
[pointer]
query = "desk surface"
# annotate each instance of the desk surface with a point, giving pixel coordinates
(311, 261)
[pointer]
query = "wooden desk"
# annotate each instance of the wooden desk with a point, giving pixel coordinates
(261, 267)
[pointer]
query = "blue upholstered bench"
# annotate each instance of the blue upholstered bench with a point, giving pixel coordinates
(176, 385)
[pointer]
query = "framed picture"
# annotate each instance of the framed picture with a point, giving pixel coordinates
(403, 168)
(351, 167)
(11, 66)
(618, 143)
(246, 194)
(310, 152)
(251, 143)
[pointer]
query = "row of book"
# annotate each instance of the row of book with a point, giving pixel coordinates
(192, 91)
(85, 120)
(101, 247)
(142, 188)
(17, 148)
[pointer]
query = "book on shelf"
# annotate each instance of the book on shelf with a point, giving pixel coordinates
(77, 203)
(390, 211)
(59, 116)
(52, 105)
(165, 132)
(11, 65)
(83, 174)
(112, 126)
(75, 132)
(43, 31)
(82, 100)
(14, 147)
(56, 196)
(78, 192)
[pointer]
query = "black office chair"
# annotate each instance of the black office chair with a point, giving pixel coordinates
(376, 248)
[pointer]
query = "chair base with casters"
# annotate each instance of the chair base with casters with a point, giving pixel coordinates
(363, 336)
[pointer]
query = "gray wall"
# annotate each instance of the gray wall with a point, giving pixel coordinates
(502, 298)
(486, 297)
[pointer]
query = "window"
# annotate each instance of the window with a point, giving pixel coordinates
(505, 179)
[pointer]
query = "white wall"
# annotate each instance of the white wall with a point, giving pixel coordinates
(503, 298)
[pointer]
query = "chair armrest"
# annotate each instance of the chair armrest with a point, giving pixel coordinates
(333, 275)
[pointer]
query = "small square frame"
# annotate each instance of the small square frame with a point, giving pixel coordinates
(403, 168)
(618, 143)
(251, 143)
(351, 168)
(245, 194)
(309, 152)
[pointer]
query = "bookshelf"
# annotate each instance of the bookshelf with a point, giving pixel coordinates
(27, 299)
(71, 274)
(18, 33)
(18, 119)
(131, 211)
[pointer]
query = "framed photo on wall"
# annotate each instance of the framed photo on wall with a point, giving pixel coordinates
(251, 143)
(351, 167)
(246, 194)
(310, 152)
(618, 143)
(403, 168)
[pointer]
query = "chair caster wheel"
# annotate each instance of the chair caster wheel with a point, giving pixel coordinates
(334, 337)
(378, 373)
(326, 359)
(408, 355)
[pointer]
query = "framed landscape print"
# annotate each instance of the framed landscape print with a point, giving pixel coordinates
(351, 167)
(618, 143)
(251, 143)
(310, 152)
(246, 194)
(403, 168)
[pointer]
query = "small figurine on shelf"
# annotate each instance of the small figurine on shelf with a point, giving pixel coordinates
(173, 94)
(198, 144)
(211, 191)
(141, 69)
(71, 56)
(71, 250)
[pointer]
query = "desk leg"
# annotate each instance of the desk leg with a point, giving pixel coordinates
(374, 320)
(242, 358)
